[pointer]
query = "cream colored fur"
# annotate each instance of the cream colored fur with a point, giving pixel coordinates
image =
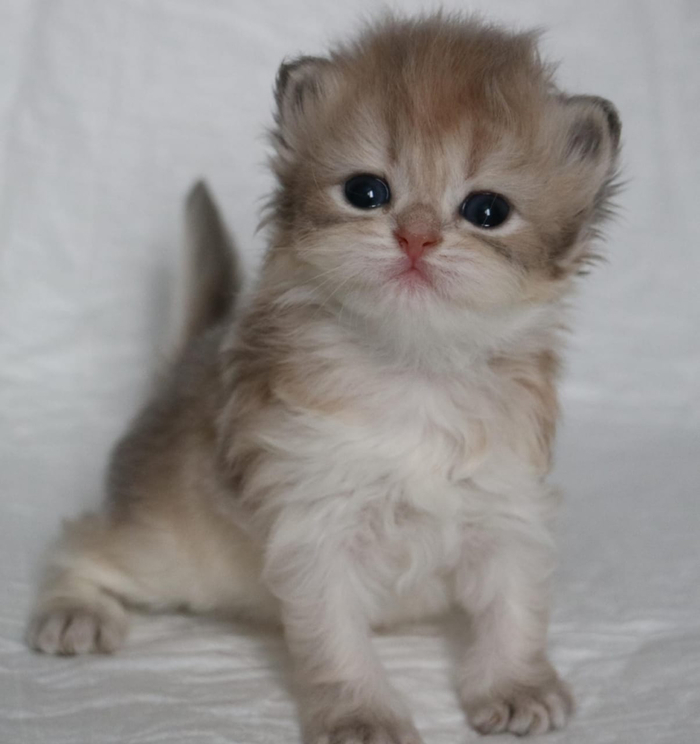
(349, 450)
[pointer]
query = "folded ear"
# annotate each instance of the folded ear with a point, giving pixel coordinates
(594, 128)
(300, 87)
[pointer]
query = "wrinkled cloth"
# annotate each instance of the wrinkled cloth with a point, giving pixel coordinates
(109, 110)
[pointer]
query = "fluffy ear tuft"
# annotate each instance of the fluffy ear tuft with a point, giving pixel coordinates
(300, 85)
(595, 128)
(588, 146)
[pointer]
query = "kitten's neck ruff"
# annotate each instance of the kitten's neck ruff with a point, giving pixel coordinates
(442, 342)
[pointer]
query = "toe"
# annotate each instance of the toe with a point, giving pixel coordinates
(491, 718)
(79, 633)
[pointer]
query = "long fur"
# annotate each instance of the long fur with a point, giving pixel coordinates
(354, 449)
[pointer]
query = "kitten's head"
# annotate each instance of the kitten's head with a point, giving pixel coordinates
(433, 167)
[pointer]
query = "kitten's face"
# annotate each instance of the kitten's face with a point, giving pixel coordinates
(434, 168)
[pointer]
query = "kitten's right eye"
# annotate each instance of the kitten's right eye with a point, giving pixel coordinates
(366, 191)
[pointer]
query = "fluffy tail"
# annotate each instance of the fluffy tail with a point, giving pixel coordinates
(214, 276)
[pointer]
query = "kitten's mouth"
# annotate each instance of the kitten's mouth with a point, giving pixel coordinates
(413, 275)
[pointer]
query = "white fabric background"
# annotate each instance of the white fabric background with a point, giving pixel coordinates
(109, 109)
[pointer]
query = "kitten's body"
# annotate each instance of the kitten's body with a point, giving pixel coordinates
(361, 445)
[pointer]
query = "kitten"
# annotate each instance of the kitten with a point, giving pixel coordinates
(366, 440)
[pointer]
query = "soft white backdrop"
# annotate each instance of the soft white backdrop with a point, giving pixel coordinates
(109, 109)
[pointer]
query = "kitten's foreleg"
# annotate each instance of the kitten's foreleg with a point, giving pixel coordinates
(506, 680)
(345, 695)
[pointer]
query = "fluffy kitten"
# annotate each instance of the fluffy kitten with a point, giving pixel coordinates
(366, 440)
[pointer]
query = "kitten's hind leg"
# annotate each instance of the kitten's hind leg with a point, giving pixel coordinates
(100, 566)
(80, 606)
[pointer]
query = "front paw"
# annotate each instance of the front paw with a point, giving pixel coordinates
(523, 710)
(367, 729)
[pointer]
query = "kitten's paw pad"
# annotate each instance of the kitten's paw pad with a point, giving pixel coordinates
(76, 630)
(363, 732)
(535, 710)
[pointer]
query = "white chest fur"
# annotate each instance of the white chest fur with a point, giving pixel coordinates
(398, 490)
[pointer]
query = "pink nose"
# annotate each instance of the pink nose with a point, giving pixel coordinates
(415, 244)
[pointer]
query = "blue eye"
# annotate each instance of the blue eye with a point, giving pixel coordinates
(367, 191)
(485, 209)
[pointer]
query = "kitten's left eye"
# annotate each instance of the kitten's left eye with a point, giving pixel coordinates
(485, 209)
(367, 191)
